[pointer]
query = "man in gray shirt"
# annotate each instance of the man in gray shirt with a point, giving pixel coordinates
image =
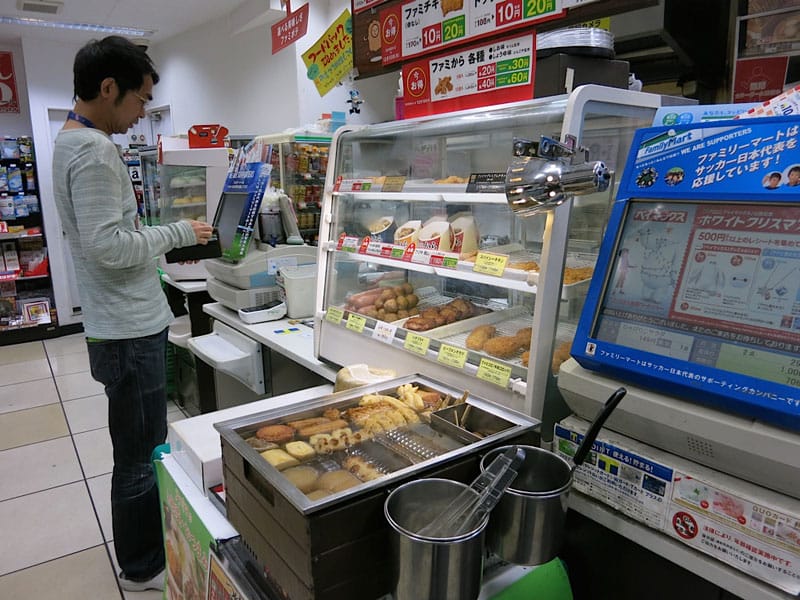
(126, 314)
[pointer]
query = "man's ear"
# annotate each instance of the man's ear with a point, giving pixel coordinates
(108, 87)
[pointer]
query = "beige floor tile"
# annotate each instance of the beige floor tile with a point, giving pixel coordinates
(77, 385)
(87, 413)
(95, 452)
(17, 353)
(32, 425)
(100, 491)
(79, 576)
(25, 371)
(36, 467)
(47, 525)
(19, 396)
(68, 344)
(70, 363)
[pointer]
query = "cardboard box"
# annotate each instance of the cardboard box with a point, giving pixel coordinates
(750, 528)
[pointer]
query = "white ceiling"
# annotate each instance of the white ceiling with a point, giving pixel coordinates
(166, 17)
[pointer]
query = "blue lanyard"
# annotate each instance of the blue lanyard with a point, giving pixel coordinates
(73, 116)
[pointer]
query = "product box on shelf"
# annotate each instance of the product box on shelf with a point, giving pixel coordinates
(750, 528)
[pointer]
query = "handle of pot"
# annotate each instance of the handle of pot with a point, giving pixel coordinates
(591, 435)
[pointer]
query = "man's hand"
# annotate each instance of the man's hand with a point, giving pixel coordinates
(202, 231)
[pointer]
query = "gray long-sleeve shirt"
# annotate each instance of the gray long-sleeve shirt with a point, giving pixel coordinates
(120, 291)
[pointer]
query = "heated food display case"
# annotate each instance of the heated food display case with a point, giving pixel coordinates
(426, 268)
(305, 486)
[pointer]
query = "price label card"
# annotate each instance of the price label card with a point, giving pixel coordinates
(356, 322)
(452, 356)
(490, 264)
(349, 244)
(393, 184)
(354, 185)
(418, 344)
(384, 332)
(334, 315)
(494, 372)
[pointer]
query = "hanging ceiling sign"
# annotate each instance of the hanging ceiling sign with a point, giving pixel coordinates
(421, 27)
(289, 29)
(9, 99)
(331, 56)
(759, 79)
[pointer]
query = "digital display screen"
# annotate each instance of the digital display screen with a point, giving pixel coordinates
(708, 283)
(229, 219)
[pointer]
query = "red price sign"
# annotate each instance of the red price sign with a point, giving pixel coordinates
(508, 13)
(432, 35)
(487, 70)
(486, 83)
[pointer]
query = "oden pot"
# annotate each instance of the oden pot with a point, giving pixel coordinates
(527, 525)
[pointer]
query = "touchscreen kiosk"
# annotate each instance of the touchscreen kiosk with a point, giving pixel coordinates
(695, 299)
(231, 224)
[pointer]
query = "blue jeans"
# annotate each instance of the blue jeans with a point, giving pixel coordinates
(134, 373)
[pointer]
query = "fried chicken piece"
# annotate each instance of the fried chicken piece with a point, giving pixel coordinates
(502, 346)
(479, 336)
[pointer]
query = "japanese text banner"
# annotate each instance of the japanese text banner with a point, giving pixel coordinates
(481, 75)
(331, 56)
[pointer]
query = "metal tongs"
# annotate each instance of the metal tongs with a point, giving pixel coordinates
(469, 508)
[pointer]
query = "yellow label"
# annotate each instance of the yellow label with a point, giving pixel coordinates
(494, 372)
(356, 322)
(601, 23)
(490, 264)
(418, 344)
(393, 183)
(452, 356)
(334, 315)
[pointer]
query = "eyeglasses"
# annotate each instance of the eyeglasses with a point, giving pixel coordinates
(141, 98)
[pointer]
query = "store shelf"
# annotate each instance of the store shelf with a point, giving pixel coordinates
(17, 236)
(716, 572)
(429, 196)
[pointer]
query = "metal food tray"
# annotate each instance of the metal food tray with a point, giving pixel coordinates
(404, 463)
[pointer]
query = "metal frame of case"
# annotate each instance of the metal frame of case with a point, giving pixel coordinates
(528, 389)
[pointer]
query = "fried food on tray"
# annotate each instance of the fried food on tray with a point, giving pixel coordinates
(277, 434)
(436, 316)
(527, 265)
(526, 356)
(502, 346)
(478, 337)
(576, 274)
(524, 336)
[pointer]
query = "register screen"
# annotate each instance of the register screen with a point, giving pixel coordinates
(711, 284)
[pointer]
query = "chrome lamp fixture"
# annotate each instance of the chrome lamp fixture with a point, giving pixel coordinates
(543, 174)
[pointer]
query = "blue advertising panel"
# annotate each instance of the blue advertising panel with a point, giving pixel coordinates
(700, 294)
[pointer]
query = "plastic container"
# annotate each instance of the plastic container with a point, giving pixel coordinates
(298, 285)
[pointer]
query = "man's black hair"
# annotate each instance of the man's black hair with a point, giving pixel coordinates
(113, 56)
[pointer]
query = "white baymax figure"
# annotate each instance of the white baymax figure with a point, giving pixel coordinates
(658, 270)
(708, 278)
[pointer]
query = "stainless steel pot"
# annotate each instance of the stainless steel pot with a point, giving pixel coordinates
(527, 525)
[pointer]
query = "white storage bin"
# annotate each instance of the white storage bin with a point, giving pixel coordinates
(299, 285)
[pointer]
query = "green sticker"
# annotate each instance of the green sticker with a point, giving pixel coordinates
(313, 71)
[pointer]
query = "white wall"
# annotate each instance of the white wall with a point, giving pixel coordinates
(211, 76)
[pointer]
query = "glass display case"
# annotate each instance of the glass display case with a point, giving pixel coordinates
(299, 165)
(185, 184)
(425, 266)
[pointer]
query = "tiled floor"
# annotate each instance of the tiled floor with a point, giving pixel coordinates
(55, 476)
